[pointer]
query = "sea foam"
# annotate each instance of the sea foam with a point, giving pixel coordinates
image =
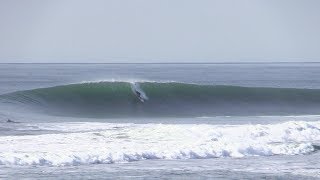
(92, 143)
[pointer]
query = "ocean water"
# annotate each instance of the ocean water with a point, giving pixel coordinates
(168, 121)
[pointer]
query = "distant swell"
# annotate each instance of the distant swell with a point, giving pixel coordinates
(117, 99)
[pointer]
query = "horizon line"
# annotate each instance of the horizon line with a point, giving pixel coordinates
(248, 62)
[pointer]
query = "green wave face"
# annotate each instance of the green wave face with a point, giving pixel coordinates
(117, 99)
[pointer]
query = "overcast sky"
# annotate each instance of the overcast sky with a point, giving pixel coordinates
(159, 30)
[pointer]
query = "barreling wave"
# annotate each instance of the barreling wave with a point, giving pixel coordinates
(166, 99)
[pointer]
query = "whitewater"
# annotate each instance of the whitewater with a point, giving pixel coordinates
(160, 121)
(96, 143)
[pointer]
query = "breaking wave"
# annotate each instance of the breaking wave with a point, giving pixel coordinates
(166, 99)
(95, 143)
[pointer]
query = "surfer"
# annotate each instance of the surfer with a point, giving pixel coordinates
(138, 92)
(139, 96)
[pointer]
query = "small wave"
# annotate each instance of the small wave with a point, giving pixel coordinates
(165, 99)
(113, 143)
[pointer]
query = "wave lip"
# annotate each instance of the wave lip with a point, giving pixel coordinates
(132, 142)
(165, 99)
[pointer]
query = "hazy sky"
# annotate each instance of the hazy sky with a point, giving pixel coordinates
(159, 30)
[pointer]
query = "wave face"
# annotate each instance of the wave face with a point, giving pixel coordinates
(92, 143)
(171, 99)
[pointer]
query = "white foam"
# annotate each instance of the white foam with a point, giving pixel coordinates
(87, 143)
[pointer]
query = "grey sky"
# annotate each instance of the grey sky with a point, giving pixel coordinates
(159, 30)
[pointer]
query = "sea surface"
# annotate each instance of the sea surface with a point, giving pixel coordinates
(166, 121)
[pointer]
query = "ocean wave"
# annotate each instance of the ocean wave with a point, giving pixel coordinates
(114, 143)
(165, 99)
